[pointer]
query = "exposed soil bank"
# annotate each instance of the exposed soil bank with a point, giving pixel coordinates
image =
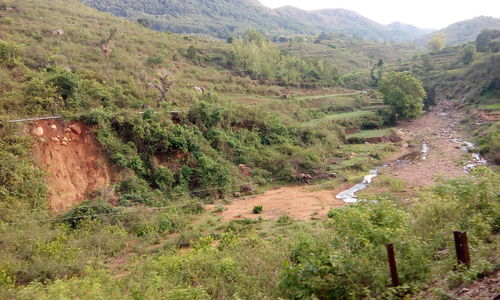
(73, 160)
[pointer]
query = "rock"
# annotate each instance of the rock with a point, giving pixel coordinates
(38, 131)
(58, 32)
(53, 126)
(333, 175)
(55, 139)
(247, 189)
(75, 128)
(64, 143)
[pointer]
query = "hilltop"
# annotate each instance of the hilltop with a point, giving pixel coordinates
(464, 31)
(350, 22)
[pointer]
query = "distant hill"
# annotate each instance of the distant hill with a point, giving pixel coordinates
(222, 18)
(465, 31)
(219, 18)
(346, 21)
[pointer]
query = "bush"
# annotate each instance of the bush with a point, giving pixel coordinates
(257, 210)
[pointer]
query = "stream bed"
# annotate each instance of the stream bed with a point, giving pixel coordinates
(349, 195)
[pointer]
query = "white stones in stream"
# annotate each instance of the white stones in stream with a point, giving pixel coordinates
(349, 196)
(425, 150)
(476, 160)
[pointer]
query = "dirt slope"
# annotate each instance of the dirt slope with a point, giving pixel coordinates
(74, 163)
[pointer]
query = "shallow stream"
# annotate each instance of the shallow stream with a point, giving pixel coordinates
(349, 195)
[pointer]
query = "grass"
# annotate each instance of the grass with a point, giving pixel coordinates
(490, 107)
(344, 116)
(369, 134)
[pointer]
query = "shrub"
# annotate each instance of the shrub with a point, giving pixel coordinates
(257, 209)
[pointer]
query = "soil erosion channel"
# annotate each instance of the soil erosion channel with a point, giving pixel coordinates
(431, 149)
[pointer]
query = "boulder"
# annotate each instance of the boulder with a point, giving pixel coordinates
(53, 126)
(38, 131)
(75, 128)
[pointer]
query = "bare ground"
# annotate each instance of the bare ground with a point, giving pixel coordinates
(436, 128)
(297, 202)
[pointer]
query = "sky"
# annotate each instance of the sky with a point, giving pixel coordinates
(433, 14)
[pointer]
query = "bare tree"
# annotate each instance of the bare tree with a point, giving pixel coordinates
(106, 50)
(163, 82)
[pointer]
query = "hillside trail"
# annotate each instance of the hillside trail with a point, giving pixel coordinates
(443, 159)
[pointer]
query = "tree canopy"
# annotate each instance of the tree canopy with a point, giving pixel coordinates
(437, 42)
(404, 93)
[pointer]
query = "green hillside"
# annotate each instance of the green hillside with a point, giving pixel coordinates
(350, 22)
(152, 135)
(225, 18)
(464, 31)
(221, 18)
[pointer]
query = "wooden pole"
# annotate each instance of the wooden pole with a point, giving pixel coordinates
(392, 265)
(462, 248)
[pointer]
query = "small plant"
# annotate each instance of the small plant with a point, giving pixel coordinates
(219, 209)
(285, 220)
(257, 209)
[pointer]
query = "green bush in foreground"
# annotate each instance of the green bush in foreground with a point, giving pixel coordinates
(343, 257)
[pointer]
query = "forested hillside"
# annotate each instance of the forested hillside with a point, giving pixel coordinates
(225, 18)
(220, 18)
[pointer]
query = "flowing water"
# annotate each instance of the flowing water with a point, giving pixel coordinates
(349, 195)
(476, 159)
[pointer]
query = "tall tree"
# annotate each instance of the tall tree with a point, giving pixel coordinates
(437, 42)
(404, 93)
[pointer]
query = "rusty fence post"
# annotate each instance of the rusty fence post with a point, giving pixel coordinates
(392, 265)
(462, 248)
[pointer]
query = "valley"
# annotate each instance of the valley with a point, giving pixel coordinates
(225, 150)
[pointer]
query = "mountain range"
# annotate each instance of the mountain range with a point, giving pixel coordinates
(223, 18)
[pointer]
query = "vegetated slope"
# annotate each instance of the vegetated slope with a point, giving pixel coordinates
(224, 18)
(349, 54)
(473, 82)
(464, 31)
(216, 17)
(346, 21)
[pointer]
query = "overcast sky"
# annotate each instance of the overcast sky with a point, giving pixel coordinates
(434, 14)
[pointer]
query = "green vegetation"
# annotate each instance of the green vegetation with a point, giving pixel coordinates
(263, 61)
(257, 210)
(404, 93)
(230, 119)
(437, 42)
(343, 256)
(225, 18)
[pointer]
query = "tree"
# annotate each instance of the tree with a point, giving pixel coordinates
(163, 82)
(437, 42)
(468, 54)
(377, 72)
(404, 93)
(430, 99)
(484, 39)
